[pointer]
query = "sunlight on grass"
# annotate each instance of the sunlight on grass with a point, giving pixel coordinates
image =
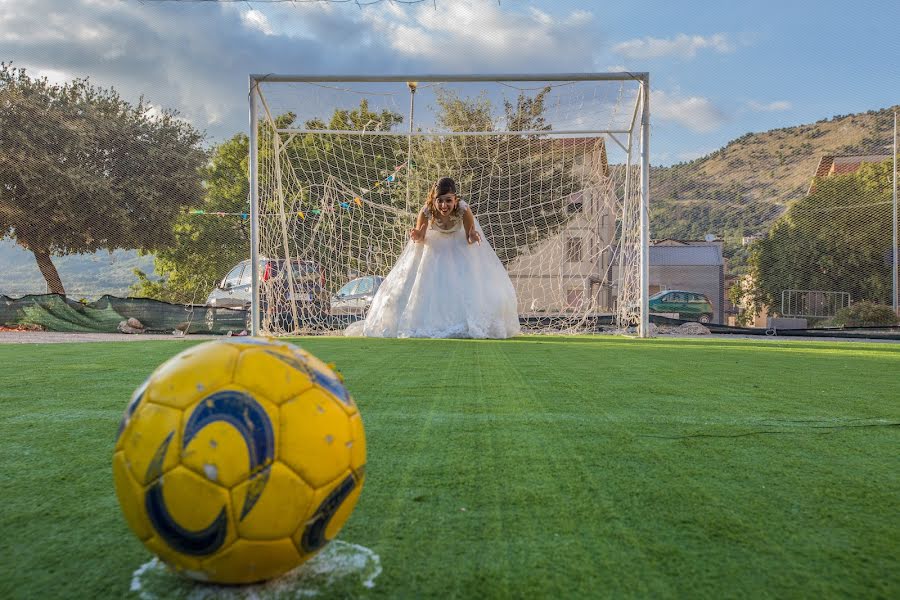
(536, 467)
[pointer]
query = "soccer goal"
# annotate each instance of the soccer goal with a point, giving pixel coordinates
(555, 168)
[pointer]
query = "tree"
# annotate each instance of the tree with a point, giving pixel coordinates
(836, 239)
(205, 244)
(215, 235)
(517, 184)
(324, 175)
(82, 170)
(321, 172)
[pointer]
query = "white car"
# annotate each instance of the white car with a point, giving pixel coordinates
(355, 297)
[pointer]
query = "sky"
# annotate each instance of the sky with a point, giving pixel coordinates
(718, 69)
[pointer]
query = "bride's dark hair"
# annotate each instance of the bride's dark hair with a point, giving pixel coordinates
(444, 185)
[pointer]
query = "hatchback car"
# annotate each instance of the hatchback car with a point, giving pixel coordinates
(235, 291)
(355, 297)
(690, 306)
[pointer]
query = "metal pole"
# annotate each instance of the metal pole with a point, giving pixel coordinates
(645, 207)
(254, 209)
(299, 78)
(412, 109)
(363, 132)
(894, 273)
(622, 309)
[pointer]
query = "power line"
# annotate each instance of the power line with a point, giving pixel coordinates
(357, 2)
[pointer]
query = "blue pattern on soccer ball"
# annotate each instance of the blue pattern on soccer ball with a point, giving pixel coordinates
(249, 418)
(332, 384)
(132, 406)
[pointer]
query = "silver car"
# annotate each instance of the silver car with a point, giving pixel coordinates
(235, 291)
(355, 297)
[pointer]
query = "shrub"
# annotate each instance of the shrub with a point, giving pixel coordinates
(865, 314)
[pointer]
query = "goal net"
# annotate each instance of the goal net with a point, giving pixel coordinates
(552, 167)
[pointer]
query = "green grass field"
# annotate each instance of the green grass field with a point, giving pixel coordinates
(541, 467)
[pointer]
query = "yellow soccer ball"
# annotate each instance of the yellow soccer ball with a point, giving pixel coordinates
(237, 460)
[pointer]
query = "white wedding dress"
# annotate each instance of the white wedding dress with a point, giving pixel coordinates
(444, 287)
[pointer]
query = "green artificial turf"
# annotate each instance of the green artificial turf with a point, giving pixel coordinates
(540, 467)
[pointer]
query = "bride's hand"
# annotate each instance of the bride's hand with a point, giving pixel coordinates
(474, 237)
(416, 235)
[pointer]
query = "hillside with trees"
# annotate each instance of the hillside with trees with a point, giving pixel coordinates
(742, 188)
(124, 186)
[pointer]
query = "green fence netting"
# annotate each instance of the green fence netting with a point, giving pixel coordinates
(109, 314)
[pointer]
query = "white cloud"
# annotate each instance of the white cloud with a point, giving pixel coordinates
(53, 76)
(254, 19)
(153, 111)
(681, 46)
(468, 33)
(694, 112)
(195, 56)
(776, 106)
(89, 32)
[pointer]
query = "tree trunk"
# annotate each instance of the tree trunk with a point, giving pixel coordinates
(48, 270)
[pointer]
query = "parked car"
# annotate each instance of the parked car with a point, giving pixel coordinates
(690, 306)
(236, 291)
(355, 297)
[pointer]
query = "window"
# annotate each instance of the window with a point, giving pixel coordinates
(301, 269)
(574, 298)
(574, 249)
(234, 277)
(575, 203)
(247, 276)
(349, 289)
(678, 297)
(365, 286)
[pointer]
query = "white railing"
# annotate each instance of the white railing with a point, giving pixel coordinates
(813, 303)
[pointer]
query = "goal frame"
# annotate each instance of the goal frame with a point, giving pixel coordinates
(641, 115)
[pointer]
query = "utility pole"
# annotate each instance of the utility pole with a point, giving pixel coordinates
(894, 274)
(412, 107)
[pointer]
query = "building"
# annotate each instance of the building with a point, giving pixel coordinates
(831, 164)
(571, 270)
(691, 265)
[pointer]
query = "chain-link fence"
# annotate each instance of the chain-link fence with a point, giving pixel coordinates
(790, 228)
(102, 200)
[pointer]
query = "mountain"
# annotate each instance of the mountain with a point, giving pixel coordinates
(740, 189)
(85, 275)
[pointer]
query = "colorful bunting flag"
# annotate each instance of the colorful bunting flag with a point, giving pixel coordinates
(357, 200)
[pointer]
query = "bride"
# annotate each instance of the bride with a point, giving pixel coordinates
(448, 281)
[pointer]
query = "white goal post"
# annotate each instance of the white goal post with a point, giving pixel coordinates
(555, 167)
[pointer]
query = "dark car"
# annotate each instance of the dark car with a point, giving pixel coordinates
(689, 306)
(355, 297)
(235, 291)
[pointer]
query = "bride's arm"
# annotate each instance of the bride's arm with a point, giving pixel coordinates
(472, 235)
(418, 233)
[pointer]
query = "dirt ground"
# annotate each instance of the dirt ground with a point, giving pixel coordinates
(57, 337)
